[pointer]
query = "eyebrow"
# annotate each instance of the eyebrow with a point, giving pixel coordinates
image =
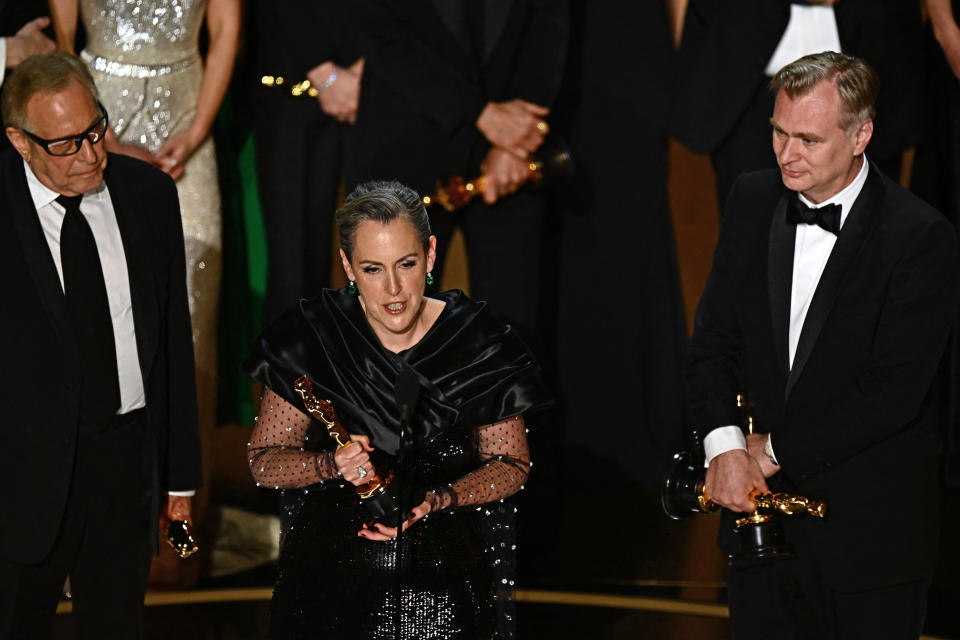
(799, 134)
(412, 254)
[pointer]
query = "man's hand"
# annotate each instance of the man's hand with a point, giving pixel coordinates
(178, 508)
(341, 99)
(515, 125)
(732, 477)
(756, 442)
(29, 41)
(503, 172)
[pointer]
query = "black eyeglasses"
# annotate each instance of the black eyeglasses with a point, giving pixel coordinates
(71, 144)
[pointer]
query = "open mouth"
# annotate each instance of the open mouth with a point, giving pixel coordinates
(395, 308)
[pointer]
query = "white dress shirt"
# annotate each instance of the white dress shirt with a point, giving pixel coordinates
(812, 29)
(97, 208)
(812, 248)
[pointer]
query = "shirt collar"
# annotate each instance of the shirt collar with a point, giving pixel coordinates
(42, 195)
(846, 196)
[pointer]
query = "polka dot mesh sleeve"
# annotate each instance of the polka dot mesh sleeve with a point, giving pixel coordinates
(275, 452)
(503, 450)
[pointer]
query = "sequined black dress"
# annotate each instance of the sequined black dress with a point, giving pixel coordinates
(468, 456)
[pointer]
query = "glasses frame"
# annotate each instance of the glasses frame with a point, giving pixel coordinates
(77, 139)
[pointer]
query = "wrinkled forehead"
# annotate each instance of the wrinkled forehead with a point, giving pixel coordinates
(63, 112)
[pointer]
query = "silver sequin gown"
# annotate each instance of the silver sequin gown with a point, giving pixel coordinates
(145, 60)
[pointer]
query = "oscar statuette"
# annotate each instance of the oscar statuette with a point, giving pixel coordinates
(377, 495)
(550, 167)
(760, 534)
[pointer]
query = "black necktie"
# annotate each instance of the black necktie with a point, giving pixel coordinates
(826, 217)
(86, 296)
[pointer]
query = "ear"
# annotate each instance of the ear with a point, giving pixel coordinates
(863, 135)
(431, 253)
(347, 269)
(20, 142)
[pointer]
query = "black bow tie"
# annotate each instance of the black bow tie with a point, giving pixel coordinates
(826, 217)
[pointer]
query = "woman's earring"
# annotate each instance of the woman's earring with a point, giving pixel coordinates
(429, 278)
(352, 287)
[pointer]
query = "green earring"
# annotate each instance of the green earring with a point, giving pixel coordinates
(429, 278)
(352, 287)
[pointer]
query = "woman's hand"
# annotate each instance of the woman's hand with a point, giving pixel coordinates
(504, 174)
(341, 99)
(134, 151)
(515, 125)
(381, 533)
(176, 151)
(351, 458)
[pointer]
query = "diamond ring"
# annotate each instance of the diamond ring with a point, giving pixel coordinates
(361, 472)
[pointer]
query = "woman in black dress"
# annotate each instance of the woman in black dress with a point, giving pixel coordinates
(467, 452)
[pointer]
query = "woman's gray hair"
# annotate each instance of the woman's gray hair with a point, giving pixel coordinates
(381, 201)
(44, 73)
(855, 80)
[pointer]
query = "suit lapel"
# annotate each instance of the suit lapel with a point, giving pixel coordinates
(136, 248)
(855, 230)
(780, 279)
(36, 251)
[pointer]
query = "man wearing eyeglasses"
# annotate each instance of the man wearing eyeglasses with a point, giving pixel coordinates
(100, 411)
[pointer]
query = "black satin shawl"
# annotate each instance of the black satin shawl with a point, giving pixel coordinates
(472, 369)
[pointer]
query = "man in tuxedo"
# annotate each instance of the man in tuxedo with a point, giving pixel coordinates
(731, 49)
(829, 303)
(96, 342)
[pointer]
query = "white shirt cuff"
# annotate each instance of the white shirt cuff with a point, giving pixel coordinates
(721, 440)
(187, 494)
(3, 58)
(769, 449)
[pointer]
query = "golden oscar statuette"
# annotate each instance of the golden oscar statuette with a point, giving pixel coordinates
(376, 495)
(760, 533)
(551, 166)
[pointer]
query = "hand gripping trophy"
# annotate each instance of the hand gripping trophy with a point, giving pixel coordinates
(760, 533)
(377, 495)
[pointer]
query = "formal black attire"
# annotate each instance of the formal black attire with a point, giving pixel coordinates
(299, 149)
(723, 105)
(432, 66)
(472, 371)
(856, 420)
(86, 487)
(613, 110)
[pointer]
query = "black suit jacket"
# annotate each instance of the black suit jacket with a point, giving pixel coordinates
(424, 87)
(856, 421)
(727, 44)
(41, 360)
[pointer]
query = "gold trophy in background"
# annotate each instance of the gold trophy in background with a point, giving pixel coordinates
(760, 534)
(550, 167)
(377, 494)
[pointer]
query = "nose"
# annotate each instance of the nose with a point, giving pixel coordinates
(393, 283)
(87, 152)
(787, 151)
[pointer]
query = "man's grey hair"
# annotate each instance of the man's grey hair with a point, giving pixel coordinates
(855, 80)
(381, 201)
(45, 73)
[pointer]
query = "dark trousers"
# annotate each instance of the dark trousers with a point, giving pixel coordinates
(103, 546)
(299, 158)
(789, 601)
(503, 252)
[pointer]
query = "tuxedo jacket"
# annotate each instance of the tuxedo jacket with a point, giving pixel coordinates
(856, 421)
(41, 359)
(425, 85)
(727, 44)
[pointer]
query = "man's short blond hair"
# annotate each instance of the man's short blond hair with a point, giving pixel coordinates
(45, 73)
(855, 80)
